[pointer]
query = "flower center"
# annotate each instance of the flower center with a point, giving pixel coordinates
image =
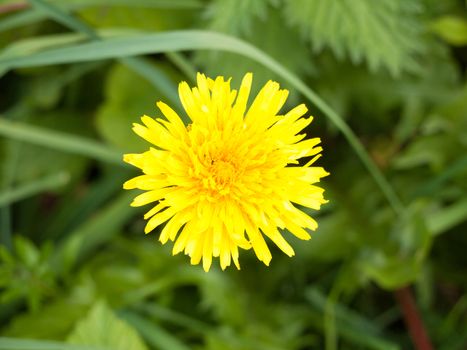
(222, 174)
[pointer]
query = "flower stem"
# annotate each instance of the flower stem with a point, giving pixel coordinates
(412, 319)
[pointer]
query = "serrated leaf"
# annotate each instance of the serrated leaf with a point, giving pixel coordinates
(280, 41)
(237, 16)
(102, 328)
(383, 33)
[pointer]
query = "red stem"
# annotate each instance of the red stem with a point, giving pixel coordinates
(12, 7)
(412, 319)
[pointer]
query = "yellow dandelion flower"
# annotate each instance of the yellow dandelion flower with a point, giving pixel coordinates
(232, 176)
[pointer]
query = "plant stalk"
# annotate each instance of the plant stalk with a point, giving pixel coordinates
(413, 320)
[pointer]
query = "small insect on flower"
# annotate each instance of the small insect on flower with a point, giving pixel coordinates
(232, 176)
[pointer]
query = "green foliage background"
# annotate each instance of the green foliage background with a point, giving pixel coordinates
(386, 82)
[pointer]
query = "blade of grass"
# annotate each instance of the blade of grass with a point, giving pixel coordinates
(28, 46)
(60, 141)
(170, 4)
(157, 77)
(30, 189)
(31, 16)
(30, 344)
(201, 40)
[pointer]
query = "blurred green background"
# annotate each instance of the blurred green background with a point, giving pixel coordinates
(76, 270)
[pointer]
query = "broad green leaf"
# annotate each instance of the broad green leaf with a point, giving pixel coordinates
(336, 238)
(128, 96)
(101, 327)
(452, 29)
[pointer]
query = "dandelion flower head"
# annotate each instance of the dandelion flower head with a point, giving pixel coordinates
(230, 178)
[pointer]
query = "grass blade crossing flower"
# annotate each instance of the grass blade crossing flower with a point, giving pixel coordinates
(232, 176)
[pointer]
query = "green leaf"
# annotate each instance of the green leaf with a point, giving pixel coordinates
(384, 33)
(451, 29)
(128, 96)
(102, 328)
(399, 261)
